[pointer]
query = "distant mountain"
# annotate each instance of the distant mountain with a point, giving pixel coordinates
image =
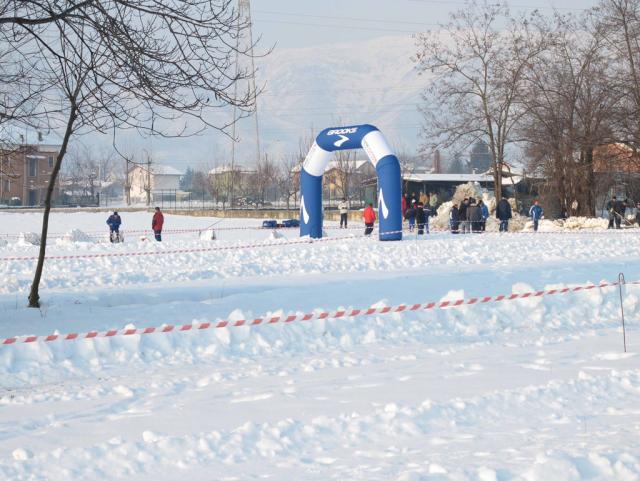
(336, 84)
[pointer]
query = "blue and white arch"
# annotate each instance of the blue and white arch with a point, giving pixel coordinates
(383, 159)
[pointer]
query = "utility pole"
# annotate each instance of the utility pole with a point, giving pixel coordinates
(127, 183)
(244, 17)
(148, 180)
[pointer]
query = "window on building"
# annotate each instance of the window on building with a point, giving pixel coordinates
(33, 167)
(51, 161)
(7, 185)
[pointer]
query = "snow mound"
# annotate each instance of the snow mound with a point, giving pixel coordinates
(581, 223)
(74, 235)
(208, 235)
(29, 239)
(275, 235)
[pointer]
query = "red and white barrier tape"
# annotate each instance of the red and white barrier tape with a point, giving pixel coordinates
(305, 240)
(337, 314)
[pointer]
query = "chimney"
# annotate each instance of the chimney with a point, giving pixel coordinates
(437, 169)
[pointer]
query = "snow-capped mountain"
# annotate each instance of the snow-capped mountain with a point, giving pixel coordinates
(308, 89)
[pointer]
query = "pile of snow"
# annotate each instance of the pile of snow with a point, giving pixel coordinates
(275, 235)
(582, 223)
(74, 235)
(28, 239)
(208, 235)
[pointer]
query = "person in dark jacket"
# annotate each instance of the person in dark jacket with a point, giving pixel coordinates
(156, 224)
(114, 222)
(421, 217)
(503, 213)
(611, 210)
(462, 215)
(474, 216)
(454, 218)
(410, 215)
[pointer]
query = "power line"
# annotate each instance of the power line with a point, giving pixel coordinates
(510, 5)
(349, 27)
(359, 19)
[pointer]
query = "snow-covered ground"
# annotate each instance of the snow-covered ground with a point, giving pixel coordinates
(536, 389)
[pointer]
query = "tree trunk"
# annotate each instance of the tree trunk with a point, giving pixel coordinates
(590, 184)
(34, 296)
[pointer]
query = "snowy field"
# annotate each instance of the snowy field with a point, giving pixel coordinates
(535, 389)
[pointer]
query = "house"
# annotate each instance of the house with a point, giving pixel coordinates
(25, 171)
(235, 182)
(146, 185)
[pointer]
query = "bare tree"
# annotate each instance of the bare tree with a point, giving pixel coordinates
(477, 67)
(569, 105)
(345, 171)
(146, 65)
(265, 177)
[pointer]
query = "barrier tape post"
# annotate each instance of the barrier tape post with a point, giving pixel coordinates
(621, 284)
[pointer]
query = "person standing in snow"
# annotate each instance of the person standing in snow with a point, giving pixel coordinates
(474, 216)
(454, 218)
(404, 205)
(503, 213)
(421, 217)
(536, 214)
(157, 223)
(410, 215)
(369, 216)
(114, 222)
(343, 207)
(485, 215)
(433, 201)
(462, 215)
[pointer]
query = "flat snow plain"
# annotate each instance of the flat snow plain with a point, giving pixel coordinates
(535, 389)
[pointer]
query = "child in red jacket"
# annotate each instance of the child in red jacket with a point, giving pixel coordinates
(369, 216)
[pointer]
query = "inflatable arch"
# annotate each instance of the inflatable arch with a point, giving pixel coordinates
(385, 162)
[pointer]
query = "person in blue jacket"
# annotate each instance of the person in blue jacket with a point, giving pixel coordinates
(536, 214)
(114, 222)
(485, 215)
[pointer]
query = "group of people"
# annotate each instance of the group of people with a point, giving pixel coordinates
(468, 217)
(115, 221)
(471, 216)
(617, 210)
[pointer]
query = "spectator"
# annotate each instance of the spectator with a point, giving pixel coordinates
(503, 213)
(369, 216)
(410, 215)
(404, 205)
(433, 201)
(428, 212)
(114, 222)
(536, 214)
(424, 198)
(421, 217)
(157, 223)
(454, 218)
(485, 215)
(474, 216)
(343, 207)
(616, 210)
(462, 215)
